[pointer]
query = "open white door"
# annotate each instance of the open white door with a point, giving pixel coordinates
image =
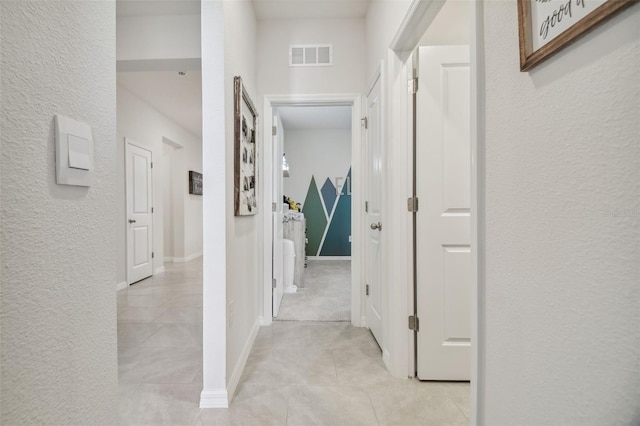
(278, 214)
(444, 217)
(373, 211)
(138, 164)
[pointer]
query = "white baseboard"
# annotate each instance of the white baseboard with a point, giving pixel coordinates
(386, 358)
(158, 270)
(263, 322)
(168, 259)
(185, 259)
(214, 398)
(122, 286)
(193, 256)
(328, 257)
(234, 380)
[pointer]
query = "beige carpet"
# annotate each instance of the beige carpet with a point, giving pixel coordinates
(326, 295)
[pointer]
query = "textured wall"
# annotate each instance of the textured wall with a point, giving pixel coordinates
(562, 228)
(58, 349)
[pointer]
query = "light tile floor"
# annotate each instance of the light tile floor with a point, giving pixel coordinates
(326, 295)
(299, 373)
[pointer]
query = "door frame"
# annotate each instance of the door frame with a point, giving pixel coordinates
(340, 99)
(419, 17)
(128, 141)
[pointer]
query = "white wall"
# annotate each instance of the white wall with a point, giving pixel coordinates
(139, 121)
(214, 268)
(450, 26)
(562, 212)
(167, 198)
(58, 350)
(241, 232)
(323, 153)
(347, 75)
(382, 23)
(157, 40)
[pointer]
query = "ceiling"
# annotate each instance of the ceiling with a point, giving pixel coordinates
(315, 117)
(264, 9)
(313, 9)
(177, 97)
(157, 7)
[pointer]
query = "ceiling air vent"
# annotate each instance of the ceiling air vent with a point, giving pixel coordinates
(311, 55)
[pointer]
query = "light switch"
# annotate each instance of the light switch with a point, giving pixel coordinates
(79, 153)
(74, 152)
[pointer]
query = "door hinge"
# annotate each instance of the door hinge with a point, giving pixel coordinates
(365, 122)
(151, 209)
(367, 289)
(274, 283)
(413, 86)
(412, 204)
(366, 207)
(274, 130)
(414, 323)
(152, 164)
(153, 255)
(274, 207)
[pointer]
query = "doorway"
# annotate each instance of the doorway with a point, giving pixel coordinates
(313, 183)
(332, 244)
(442, 36)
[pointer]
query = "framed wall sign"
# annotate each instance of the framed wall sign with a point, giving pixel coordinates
(195, 183)
(548, 26)
(246, 152)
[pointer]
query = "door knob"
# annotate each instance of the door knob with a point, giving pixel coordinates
(377, 226)
(132, 221)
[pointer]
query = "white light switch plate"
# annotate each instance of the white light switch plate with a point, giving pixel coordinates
(74, 152)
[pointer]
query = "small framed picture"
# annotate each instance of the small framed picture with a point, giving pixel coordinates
(195, 183)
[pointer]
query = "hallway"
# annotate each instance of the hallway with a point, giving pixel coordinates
(326, 295)
(298, 373)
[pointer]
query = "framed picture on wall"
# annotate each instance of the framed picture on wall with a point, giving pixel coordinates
(246, 152)
(195, 183)
(548, 26)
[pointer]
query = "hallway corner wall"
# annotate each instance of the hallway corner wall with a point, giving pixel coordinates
(242, 233)
(561, 227)
(58, 353)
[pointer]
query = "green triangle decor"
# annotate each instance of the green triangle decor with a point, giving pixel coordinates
(316, 218)
(336, 243)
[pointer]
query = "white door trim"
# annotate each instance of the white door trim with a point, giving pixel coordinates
(129, 141)
(349, 99)
(418, 19)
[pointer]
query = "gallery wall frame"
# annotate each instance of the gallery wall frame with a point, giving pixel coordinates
(246, 152)
(548, 26)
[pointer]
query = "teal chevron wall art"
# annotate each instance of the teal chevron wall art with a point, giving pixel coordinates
(328, 216)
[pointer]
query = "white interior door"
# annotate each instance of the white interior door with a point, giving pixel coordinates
(373, 211)
(444, 216)
(139, 211)
(278, 214)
